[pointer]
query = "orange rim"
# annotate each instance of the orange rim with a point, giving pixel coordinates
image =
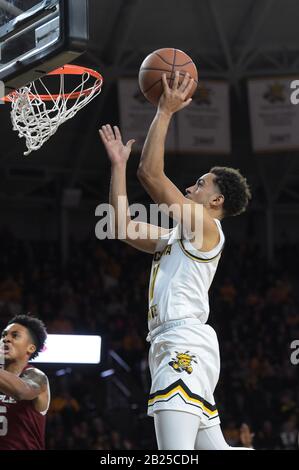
(67, 70)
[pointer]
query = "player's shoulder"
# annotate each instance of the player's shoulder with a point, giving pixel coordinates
(36, 375)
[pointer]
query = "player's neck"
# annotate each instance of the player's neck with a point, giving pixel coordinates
(215, 214)
(15, 367)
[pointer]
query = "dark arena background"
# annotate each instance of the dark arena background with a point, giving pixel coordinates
(245, 115)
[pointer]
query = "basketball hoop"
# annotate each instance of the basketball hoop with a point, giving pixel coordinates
(36, 113)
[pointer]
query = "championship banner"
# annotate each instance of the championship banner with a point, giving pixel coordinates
(274, 119)
(136, 115)
(204, 126)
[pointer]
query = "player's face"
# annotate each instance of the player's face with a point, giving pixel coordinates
(203, 190)
(17, 343)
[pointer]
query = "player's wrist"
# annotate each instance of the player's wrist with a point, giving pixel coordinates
(164, 113)
(119, 164)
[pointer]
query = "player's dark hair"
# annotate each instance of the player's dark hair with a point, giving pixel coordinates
(36, 328)
(234, 188)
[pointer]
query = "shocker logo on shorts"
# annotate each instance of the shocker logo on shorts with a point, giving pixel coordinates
(183, 362)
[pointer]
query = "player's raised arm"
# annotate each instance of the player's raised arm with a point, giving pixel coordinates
(151, 168)
(118, 154)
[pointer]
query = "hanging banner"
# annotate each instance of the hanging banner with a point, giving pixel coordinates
(136, 115)
(204, 126)
(274, 118)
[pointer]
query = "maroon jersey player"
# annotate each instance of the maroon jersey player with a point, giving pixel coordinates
(24, 390)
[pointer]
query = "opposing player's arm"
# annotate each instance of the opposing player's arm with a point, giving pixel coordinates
(27, 387)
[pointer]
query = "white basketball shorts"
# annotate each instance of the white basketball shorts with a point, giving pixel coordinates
(184, 363)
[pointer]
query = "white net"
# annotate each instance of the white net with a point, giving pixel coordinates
(37, 119)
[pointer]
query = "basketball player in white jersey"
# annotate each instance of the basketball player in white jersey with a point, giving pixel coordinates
(184, 354)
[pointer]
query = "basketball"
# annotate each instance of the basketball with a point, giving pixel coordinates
(167, 61)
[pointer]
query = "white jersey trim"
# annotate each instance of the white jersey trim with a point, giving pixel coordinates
(206, 255)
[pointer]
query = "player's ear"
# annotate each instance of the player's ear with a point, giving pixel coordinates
(31, 349)
(217, 200)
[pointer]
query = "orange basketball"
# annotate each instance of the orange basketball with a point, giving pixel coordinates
(167, 61)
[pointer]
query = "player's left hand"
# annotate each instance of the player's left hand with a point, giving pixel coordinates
(117, 151)
(175, 98)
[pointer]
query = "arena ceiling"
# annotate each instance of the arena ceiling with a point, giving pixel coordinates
(231, 39)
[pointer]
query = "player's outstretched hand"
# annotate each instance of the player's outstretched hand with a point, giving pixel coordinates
(175, 98)
(112, 140)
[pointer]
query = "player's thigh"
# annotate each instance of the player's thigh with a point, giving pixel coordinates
(176, 430)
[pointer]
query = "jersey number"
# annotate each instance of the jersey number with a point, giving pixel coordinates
(3, 421)
(154, 276)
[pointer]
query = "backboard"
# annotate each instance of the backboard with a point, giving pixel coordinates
(37, 36)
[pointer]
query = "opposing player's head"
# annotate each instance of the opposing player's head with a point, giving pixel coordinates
(223, 191)
(23, 338)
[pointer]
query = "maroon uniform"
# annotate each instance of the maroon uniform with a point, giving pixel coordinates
(22, 427)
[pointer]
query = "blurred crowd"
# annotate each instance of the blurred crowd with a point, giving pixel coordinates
(103, 290)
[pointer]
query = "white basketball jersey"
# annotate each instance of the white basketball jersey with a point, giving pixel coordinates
(180, 279)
